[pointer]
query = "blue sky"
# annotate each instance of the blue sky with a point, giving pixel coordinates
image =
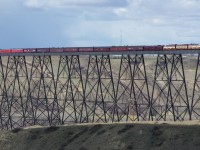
(58, 23)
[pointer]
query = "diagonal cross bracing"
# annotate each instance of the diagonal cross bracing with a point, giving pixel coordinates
(52, 90)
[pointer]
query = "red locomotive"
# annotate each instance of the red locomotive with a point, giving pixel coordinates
(105, 49)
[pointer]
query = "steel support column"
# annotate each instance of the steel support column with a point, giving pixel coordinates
(76, 83)
(195, 104)
(124, 92)
(68, 112)
(4, 106)
(160, 104)
(140, 89)
(169, 96)
(178, 90)
(23, 86)
(16, 82)
(93, 91)
(107, 87)
(42, 89)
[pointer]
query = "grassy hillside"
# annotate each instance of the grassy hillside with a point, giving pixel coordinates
(103, 137)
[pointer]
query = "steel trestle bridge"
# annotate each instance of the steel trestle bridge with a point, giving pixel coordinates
(65, 88)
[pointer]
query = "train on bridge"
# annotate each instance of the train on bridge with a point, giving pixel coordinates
(105, 49)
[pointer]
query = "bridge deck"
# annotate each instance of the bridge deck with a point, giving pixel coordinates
(104, 53)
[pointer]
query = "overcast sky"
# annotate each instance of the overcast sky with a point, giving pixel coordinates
(58, 23)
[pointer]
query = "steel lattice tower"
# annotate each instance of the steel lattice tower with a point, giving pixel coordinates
(171, 97)
(195, 108)
(54, 89)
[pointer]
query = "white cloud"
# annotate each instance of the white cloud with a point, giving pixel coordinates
(98, 22)
(71, 3)
(120, 11)
(59, 3)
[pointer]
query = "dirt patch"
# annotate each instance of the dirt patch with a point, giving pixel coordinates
(16, 130)
(125, 129)
(130, 147)
(77, 136)
(51, 129)
(83, 148)
(95, 128)
(156, 139)
(156, 131)
(101, 132)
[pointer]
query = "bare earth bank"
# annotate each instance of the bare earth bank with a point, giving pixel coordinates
(121, 136)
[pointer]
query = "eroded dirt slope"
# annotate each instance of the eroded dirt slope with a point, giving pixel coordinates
(103, 137)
